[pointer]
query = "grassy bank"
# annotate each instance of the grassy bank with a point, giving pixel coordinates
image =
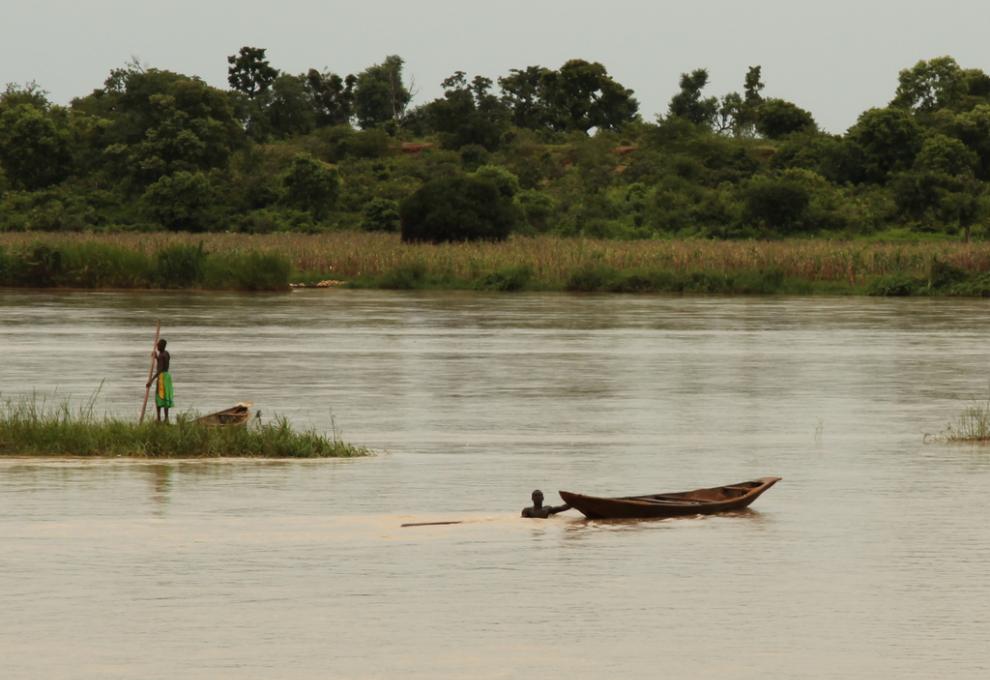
(30, 428)
(58, 262)
(375, 260)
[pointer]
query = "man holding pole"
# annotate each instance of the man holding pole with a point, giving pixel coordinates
(163, 392)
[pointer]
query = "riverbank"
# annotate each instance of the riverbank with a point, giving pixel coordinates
(28, 428)
(545, 263)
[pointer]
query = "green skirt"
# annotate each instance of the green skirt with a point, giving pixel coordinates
(164, 395)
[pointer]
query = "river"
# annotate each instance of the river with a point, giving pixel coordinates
(870, 559)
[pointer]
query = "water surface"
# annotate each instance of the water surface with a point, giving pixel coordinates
(868, 560)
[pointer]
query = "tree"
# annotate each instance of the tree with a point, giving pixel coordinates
(289, 110)
(468, 114)
(379, 94)
(34, 150)
(930, 85)
(456, 209)
(779, 202)
(888, 140)
(381, 214)
(582, 95)
(941, 187)
(31, 93)
(738, 113)
(836, 159)
(522, 95)
(973, 129)
(944, 154)
(180, 201)
(777, 118)
(156, 123)
(579, 96)
(249, 72)
(332, 96)
(688, 103)
(311, 185)
(506, 182)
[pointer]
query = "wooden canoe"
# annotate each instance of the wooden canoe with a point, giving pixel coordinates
(235, 415)
(697, 502)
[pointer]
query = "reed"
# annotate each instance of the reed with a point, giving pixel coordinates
(33, 426)
(970, 426)
(381, 260)
(47, 261)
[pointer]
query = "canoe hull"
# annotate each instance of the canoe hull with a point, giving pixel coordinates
(675, 504)
(236, 415)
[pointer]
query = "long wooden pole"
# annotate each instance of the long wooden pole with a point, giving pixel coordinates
(151, 371)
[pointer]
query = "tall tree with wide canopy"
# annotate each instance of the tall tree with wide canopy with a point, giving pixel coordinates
(332, 97)
(581, 95)
(468, 113)
(380, 96)
(159, 122)
(250, 73)
(34, 147)
(888, 140)
(689, 104)
(777, 118)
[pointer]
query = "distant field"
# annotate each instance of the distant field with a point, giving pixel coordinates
(550, 263)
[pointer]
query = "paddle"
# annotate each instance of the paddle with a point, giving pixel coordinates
(429, 524)
(151, 371)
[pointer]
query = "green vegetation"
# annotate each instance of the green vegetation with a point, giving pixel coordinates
(32, 428)
(520, 263)
(971, 426)
(566, 149)
(58, 263)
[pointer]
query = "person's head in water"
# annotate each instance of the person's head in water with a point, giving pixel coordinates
(161, 345)
(539, 510)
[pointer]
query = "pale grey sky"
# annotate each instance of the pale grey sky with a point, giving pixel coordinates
(833, 58)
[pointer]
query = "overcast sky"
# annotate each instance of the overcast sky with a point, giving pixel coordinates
(835, 58)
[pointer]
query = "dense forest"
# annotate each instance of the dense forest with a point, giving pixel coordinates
(539, 150)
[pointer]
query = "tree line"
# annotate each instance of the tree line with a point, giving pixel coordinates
(562, 150)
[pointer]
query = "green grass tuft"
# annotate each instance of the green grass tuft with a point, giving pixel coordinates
(33, 427)
(970, 426)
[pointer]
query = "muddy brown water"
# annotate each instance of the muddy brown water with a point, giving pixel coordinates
(871, 559)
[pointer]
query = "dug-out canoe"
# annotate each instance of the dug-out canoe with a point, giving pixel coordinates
(235, 415)
(674, 504)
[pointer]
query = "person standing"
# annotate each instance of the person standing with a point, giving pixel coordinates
(164, 396)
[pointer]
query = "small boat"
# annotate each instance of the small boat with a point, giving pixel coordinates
(697, 502)
(235, 415)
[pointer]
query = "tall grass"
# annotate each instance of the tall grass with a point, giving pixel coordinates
(49, 261)
(381, 260)
(972, 426)
(34, 427)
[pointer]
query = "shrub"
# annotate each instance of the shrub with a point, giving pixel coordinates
(778, 202)
(473, 156)
(180, 201)
(180, 266)
(251, 271)
(942, 274)
(895, 285)
(39, 266)
(311, 185)
(592, 277)
(381, 214)
(778, 118)
(457, 209)
(507, 279)
(404, 277)
(537, 208)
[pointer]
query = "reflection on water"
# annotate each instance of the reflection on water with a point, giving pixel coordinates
(868, 560)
